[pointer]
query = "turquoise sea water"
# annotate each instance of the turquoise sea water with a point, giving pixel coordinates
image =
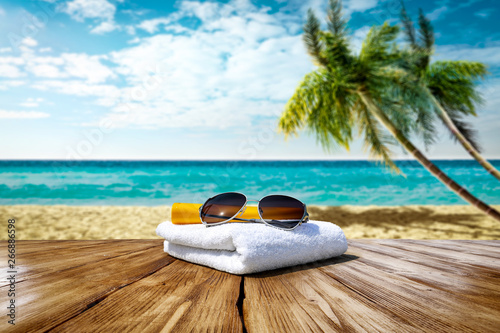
(165, 182)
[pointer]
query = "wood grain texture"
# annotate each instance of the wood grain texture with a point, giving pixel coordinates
(181, 297)
(382, 285)
(305, 299)
(48, 300)
(378, 285)
(35, 258)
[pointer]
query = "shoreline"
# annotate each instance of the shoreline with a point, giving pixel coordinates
(51, 222)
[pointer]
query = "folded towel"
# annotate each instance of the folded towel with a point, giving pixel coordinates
(243, 248)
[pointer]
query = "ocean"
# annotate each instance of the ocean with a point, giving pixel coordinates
(150, 183)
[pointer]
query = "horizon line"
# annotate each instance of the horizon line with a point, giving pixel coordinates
(238, 160)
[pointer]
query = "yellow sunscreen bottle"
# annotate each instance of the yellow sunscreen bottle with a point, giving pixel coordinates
(188, 213)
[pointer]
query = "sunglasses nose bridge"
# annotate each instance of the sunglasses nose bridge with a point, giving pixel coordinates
(253, 201)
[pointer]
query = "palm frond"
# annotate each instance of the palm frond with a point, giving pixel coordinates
(421, 49)
(336, 22)
(297, 108)
(465, 129)
(460, 69)
(426, 32)
(337, 50)
(377, 43)
(315, 104)
(453, 84)
(406, 103)
(312, 39)
(424, 126)
(409, 61)
(375, 140)
(408, 27)
(336, 40)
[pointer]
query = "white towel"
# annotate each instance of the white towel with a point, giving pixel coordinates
(243, 248)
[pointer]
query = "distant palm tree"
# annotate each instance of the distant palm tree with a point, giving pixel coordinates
(451, 86)
(363, 91)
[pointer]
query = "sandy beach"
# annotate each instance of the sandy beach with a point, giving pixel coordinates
(137, 222)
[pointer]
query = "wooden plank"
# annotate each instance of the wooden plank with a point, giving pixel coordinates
(494, 243)
(181, 297)
(365, 295)
(304, 299)
(475, 248)
(30, 246)
(49, 300)
(452, 256)
(45, 257)
(475, 245)
(431, 260)
(427, 308)
(379, 285)
(490, 245)
(478, 288)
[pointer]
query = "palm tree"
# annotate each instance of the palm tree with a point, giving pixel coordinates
(450, 84)
(364, 90)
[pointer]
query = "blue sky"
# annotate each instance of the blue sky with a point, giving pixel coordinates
(122, 79)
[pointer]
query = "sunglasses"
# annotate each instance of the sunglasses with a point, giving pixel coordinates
(278, 211)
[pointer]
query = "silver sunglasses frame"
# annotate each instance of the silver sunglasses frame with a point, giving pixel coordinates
(304, 218)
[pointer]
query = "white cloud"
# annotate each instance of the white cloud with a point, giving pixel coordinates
(176, 28)
(12, 60)
(45, 49)
(152, 25)
(130, 29)
(351, 6)
(104, 27)
(45, 70)
(2, 11)
(97, 10)
(67, 65)
(7, 84)
(489, 55)
(93, 9)
(47, 60)
(30, 42)
(134, 40)
(210, 10)
(10, 71)
(436, 13)
(78, 88)
(86, 67)
(135, 13)
(31, 102)
(241, 63)
(485, 13)
(5, 50)
(448, 7)
(4, 114)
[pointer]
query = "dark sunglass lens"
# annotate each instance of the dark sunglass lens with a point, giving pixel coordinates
(281, 211)
(222, 207)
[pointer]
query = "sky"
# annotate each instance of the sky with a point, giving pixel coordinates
(129, 79)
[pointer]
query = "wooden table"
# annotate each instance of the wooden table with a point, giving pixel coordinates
(132, 285)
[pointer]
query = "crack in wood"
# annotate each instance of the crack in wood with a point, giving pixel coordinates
(239, 303)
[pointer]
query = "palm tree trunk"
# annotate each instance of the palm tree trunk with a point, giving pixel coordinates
(431, 167)
(470, 149)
